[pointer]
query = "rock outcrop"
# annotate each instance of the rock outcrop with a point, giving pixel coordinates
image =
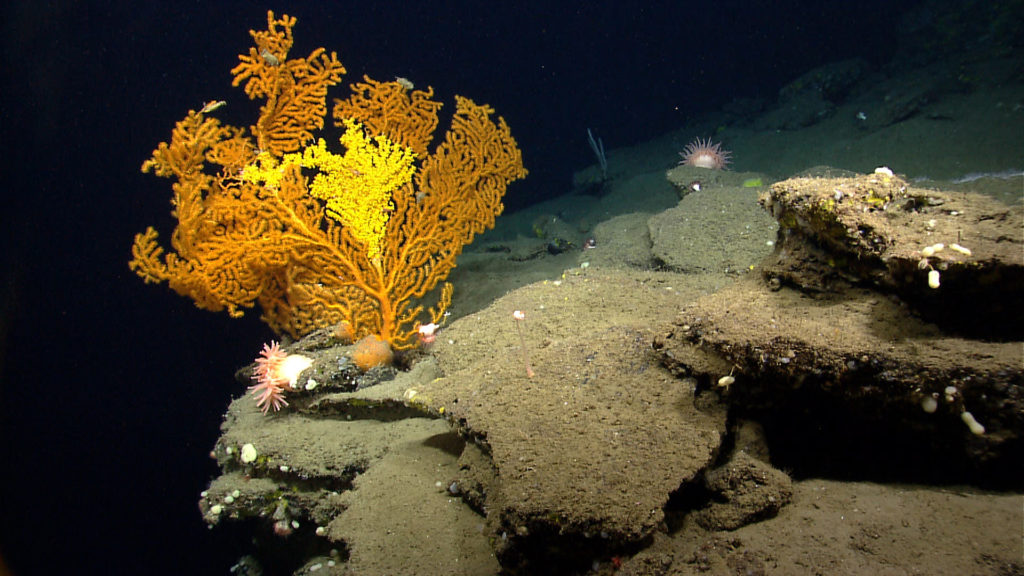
(852, 355)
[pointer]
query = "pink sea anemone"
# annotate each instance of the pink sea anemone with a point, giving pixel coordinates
(428, 333)
(270, 382)
(705, 154)
(276, 371)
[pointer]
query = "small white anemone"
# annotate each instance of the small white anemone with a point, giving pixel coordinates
(292, 366)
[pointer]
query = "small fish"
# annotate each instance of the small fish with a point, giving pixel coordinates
(212, 105)
(269, 58)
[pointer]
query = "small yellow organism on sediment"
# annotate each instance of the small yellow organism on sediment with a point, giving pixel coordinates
(960, 249)
(932, 250)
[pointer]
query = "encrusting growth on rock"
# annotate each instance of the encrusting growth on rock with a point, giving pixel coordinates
(270, 215)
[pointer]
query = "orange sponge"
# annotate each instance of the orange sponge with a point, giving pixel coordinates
(371, 351)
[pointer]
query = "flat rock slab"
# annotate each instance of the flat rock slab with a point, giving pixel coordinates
(357, 473)
(835, 527)
(396, 521)
(865, 356)
(594, 443)
(623, 242)
(719, 230)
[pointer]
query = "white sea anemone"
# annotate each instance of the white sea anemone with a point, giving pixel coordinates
(705, 154)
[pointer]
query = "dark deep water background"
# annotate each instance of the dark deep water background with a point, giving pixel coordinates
(112, 391)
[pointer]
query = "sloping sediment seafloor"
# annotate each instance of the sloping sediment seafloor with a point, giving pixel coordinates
(804, 409)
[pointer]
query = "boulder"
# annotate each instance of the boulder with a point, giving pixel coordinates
(746, 490)
(957, 258)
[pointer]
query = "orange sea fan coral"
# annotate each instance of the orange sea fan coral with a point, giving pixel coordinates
(268, 216)
(295, 89)
(406, 116)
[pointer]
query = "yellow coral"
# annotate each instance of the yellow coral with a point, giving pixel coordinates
(364, 241)
(357, 186)
(266, 170)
